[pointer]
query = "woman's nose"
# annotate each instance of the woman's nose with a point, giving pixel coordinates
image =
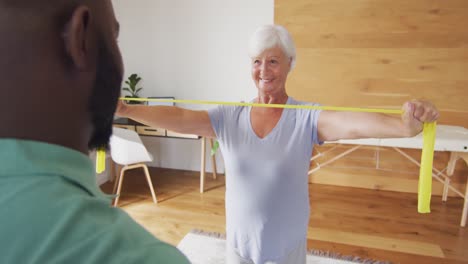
(263, 67)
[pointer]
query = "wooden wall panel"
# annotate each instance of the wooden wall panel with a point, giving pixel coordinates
(374, 23)
(384, 78)
(381, 53)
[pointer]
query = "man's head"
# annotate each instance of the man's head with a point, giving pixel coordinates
(61, 69)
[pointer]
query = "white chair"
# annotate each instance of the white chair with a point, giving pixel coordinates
(128, 151)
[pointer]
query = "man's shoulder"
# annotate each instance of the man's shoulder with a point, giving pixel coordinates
(137, 245)
(82, 229)
(117, 231)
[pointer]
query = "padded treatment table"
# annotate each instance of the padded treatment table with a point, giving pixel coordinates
(453, 139)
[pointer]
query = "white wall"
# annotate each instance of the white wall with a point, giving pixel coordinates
(190, 50)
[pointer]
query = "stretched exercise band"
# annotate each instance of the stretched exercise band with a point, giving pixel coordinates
(425, 172)
(427, 156)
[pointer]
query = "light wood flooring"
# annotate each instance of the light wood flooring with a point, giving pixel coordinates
(371, 224)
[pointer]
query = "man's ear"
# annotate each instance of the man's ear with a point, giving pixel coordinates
(78, 38)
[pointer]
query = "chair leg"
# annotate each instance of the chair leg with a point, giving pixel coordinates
(116, 177)
(112, 170)
(150, 183)
(119, 188)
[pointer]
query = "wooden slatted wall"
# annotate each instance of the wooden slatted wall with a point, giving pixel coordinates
(380, 53)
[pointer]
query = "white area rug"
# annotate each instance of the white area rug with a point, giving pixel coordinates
(206, 248)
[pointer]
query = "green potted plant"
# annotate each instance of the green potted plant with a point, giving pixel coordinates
(132, 89)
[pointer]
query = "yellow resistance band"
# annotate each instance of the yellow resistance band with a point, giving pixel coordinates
(427, 156)
(425, 172)
(100, 160)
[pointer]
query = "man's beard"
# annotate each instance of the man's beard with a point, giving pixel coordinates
(104, 97)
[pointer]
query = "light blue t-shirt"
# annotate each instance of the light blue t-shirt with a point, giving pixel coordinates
(267, 198)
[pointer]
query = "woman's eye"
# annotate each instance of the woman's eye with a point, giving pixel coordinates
(273, 61)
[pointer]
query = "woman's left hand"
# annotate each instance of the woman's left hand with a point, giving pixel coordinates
(417, 112)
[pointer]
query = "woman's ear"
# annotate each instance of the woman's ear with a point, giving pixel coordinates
(290, 64)
(78, 38)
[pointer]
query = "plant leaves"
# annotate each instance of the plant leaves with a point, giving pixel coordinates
(132, 82)
(215, 147)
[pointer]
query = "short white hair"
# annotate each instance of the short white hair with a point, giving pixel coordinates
(270, 36)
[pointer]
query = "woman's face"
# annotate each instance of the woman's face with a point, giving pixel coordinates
(270, 70)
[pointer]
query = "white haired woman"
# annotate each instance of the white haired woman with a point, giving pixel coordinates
(267, 151)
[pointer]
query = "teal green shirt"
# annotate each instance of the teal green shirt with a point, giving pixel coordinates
(52, 211)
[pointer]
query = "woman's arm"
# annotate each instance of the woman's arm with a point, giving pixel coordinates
(169, 117)
(350, 125)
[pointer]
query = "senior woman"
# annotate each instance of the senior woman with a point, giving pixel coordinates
(267, 151)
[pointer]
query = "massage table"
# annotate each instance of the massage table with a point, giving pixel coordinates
(453, 139)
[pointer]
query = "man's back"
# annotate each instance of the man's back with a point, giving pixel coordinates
(51, 211)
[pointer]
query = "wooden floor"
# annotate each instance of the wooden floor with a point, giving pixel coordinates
(371, 224)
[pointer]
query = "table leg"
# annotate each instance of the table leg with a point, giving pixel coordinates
(464, 156)
(450, 169)
(465, 208)
(203, 162)
(213, 160)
